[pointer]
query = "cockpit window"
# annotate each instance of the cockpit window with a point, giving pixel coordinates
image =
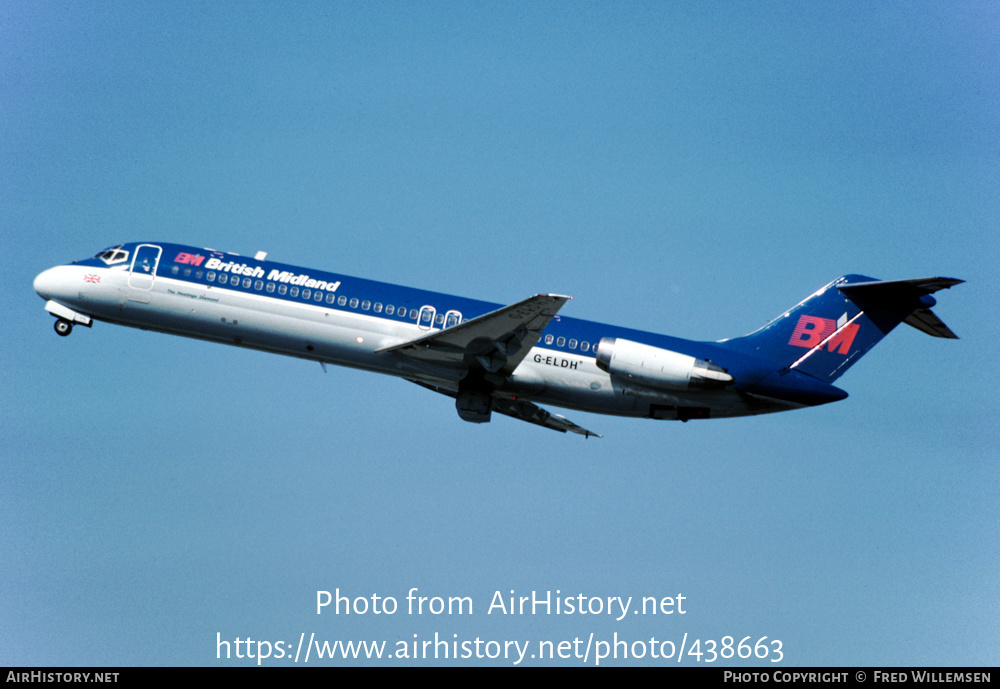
(113, 255)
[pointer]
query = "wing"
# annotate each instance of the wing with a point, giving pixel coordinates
(525, 411)
(494, 343)
(487, 349)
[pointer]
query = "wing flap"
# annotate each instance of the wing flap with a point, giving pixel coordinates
(532, 413)
(524, 411)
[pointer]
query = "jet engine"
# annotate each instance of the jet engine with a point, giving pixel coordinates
(658, 368)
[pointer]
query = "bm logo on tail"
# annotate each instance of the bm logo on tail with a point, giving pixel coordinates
(812, 331)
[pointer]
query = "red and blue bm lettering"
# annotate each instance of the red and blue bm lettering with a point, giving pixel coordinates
(190, 259)
(811, 331)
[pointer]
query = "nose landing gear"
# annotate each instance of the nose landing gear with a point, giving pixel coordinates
(66, 318)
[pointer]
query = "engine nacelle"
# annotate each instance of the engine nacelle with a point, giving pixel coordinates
(658, 368)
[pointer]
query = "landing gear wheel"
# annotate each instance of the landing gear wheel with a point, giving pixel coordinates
(63, 327)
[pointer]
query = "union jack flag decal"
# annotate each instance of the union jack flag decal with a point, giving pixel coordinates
(92, 278)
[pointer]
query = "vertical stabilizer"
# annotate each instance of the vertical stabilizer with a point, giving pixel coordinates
(828, 332)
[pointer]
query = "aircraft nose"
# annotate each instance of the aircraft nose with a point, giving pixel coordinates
(48, 283)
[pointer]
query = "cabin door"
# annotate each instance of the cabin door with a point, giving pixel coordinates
(143, 272)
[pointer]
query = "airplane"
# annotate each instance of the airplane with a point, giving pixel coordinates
(490, 357)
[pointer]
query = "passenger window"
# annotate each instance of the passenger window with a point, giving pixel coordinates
(341, 301)
(259, 285)
(439, 319)
(572, 344)
(175, 269)
(223, 278)
(318, 296)
(549, 339)
(413, 314)
(378, 307)
(354, 303)
(561, 342)
(282, 289)
(246, 282)
(270, 287)
(198, 274)
(211, 276)
(584, 346)
(293, 292)
(365, 305)
(187, 272)
(389, 310)
(330, 298)
(306, 294)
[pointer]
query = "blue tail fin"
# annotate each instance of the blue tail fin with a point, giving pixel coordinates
(825, 334)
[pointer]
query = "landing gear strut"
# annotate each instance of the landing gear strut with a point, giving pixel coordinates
(63, 327)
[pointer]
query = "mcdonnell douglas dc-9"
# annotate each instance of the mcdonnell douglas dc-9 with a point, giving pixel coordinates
(489, 357)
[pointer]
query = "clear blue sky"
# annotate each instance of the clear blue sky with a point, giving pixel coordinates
(685, 168)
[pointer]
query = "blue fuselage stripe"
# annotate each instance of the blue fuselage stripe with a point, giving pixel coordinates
(192, 267)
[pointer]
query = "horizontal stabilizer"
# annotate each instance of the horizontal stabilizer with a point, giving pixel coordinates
(889, 293)
(926, 321)
(894, 290)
